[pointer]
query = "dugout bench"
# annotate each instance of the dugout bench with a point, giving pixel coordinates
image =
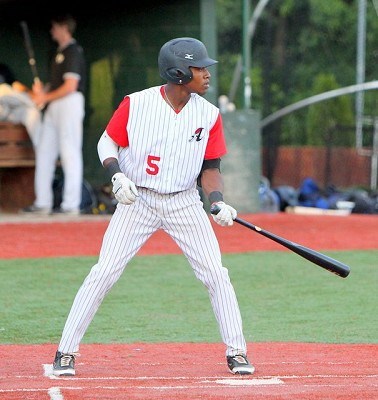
(17, 164)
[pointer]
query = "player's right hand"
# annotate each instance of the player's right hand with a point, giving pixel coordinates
(225, 215)
(124, 189)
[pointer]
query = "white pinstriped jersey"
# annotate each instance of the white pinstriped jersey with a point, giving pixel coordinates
(161, 149)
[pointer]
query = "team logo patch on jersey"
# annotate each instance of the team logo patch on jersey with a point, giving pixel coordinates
(197, 135)
(59, 58)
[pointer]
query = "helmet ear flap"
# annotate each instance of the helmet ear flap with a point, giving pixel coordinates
(179, 76)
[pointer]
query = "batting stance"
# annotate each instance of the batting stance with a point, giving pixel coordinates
(159, 144)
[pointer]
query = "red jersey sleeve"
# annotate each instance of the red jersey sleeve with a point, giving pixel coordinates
(216, 146)
(117, 126)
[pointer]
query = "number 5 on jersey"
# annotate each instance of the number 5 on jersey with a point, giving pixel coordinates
(153, 168)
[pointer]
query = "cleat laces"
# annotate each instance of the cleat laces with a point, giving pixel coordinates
(66, 359)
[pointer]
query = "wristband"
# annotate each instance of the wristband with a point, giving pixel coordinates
(214, 197)
(112, 168)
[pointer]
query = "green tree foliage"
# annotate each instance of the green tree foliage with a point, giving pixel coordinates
(296, 45)
(328, 121)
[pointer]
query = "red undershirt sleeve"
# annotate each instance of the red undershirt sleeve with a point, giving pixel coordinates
(117, 126)
(216, 146)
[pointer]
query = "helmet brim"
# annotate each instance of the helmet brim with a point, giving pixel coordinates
(205, 62)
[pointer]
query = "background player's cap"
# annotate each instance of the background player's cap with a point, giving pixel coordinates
(178, 55)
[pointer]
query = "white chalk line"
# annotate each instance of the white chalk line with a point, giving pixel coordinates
(205, 382)
(55, 393)
(249, 382)
(161, 388)
(162, 378)
(48, 371)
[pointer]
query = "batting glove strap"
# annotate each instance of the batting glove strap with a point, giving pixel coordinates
(124, 189)
(226, 215)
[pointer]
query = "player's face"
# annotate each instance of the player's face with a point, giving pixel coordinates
(58, 31)
(200, 82)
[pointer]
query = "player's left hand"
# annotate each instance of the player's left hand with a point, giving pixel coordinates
(226, 215)
(124, 189)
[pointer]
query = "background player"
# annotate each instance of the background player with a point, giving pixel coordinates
(158, 144)
(62, 125)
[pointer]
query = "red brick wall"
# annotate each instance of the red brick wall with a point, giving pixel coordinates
(346, 167)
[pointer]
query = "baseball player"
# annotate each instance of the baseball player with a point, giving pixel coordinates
(159, 144)
(62, 126)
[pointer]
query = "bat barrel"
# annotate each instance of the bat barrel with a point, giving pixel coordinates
(324, 261)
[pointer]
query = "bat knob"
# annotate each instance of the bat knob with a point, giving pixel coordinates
(214, 209)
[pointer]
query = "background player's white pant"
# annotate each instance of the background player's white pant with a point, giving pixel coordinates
(182, 216)
(61, 136)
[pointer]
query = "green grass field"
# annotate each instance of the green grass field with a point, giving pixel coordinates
(282, 297)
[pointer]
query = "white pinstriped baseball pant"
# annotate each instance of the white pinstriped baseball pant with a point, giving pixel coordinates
(61, 136)
(183, 217)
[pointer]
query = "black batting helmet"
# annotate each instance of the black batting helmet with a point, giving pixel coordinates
(177, 55)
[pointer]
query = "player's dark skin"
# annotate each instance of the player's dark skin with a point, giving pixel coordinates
(179, 95)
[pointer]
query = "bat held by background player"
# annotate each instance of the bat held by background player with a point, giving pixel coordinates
(30, 51)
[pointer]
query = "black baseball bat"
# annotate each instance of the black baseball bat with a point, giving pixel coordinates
(30, 50)
(328, 263)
